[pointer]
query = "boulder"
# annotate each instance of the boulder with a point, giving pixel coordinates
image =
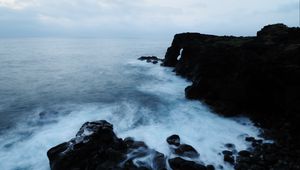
(187, 151)
(94, 146)
(181, 164)
(173, 140)
(150, 59)
(97, 147)
(229, 159)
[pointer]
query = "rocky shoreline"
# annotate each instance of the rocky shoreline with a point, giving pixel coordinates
(254, 76)
(96, 146)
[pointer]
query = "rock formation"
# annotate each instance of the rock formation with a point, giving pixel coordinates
(96, 147)
(256, 76)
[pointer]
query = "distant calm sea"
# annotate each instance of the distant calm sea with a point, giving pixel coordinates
(50, 87)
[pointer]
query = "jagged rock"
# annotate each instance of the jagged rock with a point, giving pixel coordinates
(159, 161)
(226, 152)
(129, 165)
(132, 144)
(210, 167)
(97, 147)
(173, 140)
(181, 164)
(187, 151)
(244, 153)
(229, 159)
(151, 59)
(249, 139)
(242, 74)
(256, 76)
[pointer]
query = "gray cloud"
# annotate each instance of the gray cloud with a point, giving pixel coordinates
(98, 18)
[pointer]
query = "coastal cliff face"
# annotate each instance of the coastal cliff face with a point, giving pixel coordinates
(258, 76)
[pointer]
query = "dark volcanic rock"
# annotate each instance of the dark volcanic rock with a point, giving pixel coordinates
(226, 152)
(249, 139)
(97, 147)
(210, 167)
(229, 159)
(244, 153)
(132, 144)
(159, 161)
(187, 151)
(235, 75)
(151, 59)
(268, 156)
(230, 146)
(257, 76)
(228, 156)
(173, 140)
(181, 164)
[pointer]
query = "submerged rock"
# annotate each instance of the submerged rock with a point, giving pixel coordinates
(230, 146)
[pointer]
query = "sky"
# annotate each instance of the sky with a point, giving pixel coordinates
(141, 18)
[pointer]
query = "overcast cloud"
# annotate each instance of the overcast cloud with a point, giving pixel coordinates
(141, 18)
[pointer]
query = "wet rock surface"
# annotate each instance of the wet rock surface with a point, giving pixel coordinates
(96, 147)
(181, 164)
(174, 140)
(151, 59)
(268, 156)
(187, 151)
(256, 76)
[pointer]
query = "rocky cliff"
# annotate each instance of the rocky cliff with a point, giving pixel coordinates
(256, 76)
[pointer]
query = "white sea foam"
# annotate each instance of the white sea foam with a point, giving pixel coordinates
(25, 146)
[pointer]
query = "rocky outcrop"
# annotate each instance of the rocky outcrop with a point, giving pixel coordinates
(96, 147)
(150, 59)
(268, 156)
(241, 74)
(257, 76)
(181, 164)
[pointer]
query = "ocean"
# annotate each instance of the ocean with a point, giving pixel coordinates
(50, 87)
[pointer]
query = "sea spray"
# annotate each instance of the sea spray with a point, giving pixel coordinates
(155, 109)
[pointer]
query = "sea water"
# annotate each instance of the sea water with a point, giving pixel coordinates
(50, 87)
